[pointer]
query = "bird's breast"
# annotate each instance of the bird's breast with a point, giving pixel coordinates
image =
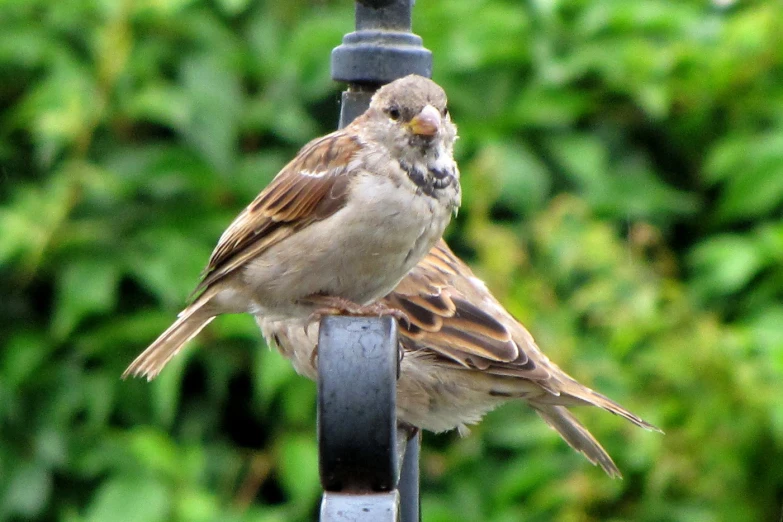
(360, 253)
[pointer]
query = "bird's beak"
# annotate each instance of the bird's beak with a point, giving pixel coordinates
(426, 123)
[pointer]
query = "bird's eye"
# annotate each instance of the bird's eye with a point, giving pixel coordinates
(393, 112)
(445, 111)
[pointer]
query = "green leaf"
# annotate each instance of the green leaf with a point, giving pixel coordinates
(755, 190)
(583, 158)
(766, 330)
(214, 97)
(299, 468)
(167, 387)
(160, 103)
(86, 286)
(725, 264)
(62, 110)
(272, 371)
(524, 179)
(518, 178)
(199, 506)
(130, 499)
(22, 356)
(751, 170)
(635, 192)
(162, 171)
(165, 9)
(167, 262)
(300, 400)
(541, 106)
(233, 7)
(27, 225)
(28, 490)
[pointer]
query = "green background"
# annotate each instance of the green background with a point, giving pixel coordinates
(622, 167)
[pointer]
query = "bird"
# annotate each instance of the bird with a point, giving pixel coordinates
(338, 227)
(462, 355)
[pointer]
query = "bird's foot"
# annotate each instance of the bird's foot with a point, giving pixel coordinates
(409, 429)
(330, 305)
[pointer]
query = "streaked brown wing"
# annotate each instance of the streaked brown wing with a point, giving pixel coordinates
(444, 300)
(313, 186)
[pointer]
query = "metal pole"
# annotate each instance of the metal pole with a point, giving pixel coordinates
(408, 486)
(369, 469)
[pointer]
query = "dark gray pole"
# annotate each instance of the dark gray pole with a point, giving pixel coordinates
(408, 485)
(357, 400)
(381, 50)
(369, 469)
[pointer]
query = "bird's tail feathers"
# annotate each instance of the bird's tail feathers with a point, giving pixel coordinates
(188, 324)
(584, 395)
(576, 435)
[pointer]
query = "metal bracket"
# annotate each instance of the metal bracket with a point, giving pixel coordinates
(357, 403)
(382, 48)
(369, 467)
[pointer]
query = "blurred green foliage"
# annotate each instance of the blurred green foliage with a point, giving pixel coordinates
(623, 176)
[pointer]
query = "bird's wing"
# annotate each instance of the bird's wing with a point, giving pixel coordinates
(453, 316)
(312, 187)
(456, 319)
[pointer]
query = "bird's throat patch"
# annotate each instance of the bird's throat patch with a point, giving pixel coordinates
(428, 179)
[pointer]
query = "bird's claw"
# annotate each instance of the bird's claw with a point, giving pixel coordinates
(340, 306)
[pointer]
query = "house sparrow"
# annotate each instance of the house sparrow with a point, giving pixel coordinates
(338, 227)
(463, 355)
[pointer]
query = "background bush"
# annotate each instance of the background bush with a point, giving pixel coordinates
(623, 175)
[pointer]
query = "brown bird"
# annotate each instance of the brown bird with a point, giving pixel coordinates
(338, 227)
(464, 355)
